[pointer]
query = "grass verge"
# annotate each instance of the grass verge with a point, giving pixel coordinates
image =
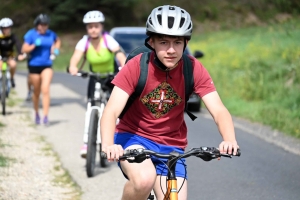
(61, 176)
(257, 72)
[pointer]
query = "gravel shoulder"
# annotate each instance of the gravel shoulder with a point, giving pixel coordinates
(29, 168)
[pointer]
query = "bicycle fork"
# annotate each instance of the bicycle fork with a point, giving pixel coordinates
(87, 121)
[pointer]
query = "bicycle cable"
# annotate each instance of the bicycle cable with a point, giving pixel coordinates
(166, 166)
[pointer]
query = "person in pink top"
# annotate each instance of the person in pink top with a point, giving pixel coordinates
(155, 120)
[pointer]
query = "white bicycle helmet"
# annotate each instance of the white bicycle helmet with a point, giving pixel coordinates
(170, 20)
(6, 22)
(94, 16)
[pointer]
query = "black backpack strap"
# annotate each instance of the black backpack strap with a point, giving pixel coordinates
(189, 82)
(141, 82)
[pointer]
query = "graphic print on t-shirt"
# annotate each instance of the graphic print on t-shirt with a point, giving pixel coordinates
(161, 100)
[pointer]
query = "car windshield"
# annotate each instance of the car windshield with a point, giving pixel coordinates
(131, 41)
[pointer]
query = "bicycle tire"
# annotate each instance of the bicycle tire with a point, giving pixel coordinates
(103, 161)
(3, 93)
(92, 146)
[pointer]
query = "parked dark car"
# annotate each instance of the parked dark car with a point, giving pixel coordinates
(132, 37)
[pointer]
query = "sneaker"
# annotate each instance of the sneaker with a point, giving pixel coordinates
(37, 119)
(83, 151)
(13, 83)
(46, 121)
(29, 96)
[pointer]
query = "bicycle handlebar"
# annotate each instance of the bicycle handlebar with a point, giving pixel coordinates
(87, 74)
(84, 74)
(205, 153)
(4, 59)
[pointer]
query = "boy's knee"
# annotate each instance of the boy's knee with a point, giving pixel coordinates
(143, 181)
(142, 175)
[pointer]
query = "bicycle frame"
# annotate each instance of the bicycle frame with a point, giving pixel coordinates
(172, 192)
(5, 84)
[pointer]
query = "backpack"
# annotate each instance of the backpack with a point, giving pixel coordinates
(187, 72)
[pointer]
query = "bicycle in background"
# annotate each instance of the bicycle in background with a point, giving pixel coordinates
(95, 107)
(5, 83)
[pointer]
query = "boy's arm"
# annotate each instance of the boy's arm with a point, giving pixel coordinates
(113, 109)
(223, 120)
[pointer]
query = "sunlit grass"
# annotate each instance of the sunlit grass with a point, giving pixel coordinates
(257, 72)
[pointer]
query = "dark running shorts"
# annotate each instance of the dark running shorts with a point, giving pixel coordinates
(37, 70)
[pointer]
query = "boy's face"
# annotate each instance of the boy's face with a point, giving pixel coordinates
(169, 50)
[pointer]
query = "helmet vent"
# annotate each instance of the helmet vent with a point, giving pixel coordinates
(159, 19)
(150, 21)
(189, 26)
(170, 22)
(159, 8)
(181, 22)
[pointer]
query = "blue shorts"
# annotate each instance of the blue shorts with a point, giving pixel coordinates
(129, 139)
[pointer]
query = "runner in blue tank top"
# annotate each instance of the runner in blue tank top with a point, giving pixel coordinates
(41, 44)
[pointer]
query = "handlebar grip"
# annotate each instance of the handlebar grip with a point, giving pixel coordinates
(103, 155)
(238, 153)
(126, 153)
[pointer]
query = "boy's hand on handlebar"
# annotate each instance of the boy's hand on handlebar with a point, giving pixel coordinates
(73, 70)
(113, 152)
(228, 147)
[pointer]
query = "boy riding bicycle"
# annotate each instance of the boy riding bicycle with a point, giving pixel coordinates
(155, 120)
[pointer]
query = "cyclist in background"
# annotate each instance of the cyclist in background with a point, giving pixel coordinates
(99, 49)
(155, 120)
(40, 43)
(9, 41)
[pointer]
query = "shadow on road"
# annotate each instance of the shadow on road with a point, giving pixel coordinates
(101, 170)
(61, 101)
(56, 102)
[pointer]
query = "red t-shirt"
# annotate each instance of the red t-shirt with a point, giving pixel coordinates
(158, 114)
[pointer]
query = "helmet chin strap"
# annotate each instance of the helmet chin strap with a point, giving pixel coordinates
(157, 62)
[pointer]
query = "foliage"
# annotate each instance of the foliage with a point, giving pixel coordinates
(257, 72)
(211, 14)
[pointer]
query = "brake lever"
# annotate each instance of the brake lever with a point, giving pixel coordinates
(82, 74)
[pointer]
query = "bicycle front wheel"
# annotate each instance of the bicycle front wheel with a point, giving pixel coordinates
(3, 92)
(92, 146)
(103, 161)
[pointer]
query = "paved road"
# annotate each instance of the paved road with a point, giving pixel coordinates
(264, 171)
